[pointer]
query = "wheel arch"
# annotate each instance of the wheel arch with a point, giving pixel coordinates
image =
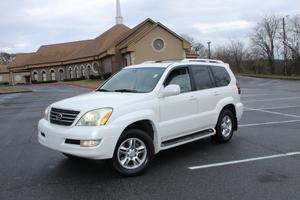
(232, 108)
(148, 126)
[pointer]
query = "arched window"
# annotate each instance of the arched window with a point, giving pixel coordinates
(77, 73)
(35, 76)
(82, 71)
(44, 76)
(88, 72)
(70, 73)
(53, 75)
(61, 75)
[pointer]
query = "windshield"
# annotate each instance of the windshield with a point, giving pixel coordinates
(137, 80)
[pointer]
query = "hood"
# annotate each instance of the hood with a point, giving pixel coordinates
(96, 100)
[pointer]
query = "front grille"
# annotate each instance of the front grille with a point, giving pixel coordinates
(63, 117)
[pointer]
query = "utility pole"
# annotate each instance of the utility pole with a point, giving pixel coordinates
(284, 46)
(208, 43)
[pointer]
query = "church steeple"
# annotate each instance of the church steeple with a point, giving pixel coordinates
(119, 18)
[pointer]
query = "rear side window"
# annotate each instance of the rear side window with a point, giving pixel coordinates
(202, 77)
(221, 76)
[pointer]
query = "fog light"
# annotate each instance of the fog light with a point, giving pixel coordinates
(89, 143)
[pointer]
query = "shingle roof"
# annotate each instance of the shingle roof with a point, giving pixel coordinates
(20, 60)
(3, 68)
(100, 44)
(57, 52)
(76, 50)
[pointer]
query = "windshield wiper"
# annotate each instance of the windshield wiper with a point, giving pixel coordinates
(103, 90)
(126, 90)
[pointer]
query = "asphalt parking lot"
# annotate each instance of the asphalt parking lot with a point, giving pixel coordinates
(261, 162)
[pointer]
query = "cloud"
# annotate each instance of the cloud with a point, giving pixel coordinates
(208, 28)
(27, 24)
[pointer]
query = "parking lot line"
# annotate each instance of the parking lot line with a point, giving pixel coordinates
(274, 108)
(254, 95)
(273, 99)
(244, 160)
(269, 123)
(272, 112)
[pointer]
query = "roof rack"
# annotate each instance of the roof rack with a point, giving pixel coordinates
(203, 60)
(187, 60)
(164, 61)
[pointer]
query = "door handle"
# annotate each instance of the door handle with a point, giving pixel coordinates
(216, 93)
(193, 98)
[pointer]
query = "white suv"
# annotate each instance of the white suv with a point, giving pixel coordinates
(144, 109)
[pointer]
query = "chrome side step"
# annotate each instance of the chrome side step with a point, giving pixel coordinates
(188, 138)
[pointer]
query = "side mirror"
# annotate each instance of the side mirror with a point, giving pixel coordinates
(170, 90)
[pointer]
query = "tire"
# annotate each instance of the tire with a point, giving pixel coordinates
(133, 153)
(224, 127)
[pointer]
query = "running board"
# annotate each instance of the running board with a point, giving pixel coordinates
(188, 138)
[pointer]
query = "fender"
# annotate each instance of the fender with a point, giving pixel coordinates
(221, 104)
(125, 120)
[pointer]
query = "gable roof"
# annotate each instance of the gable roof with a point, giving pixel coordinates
(3, 69)
(143, 29)
(21, 60)
(100, 44)
(133, 30)
(57, 52)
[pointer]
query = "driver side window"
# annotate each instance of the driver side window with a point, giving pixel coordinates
(180, 77)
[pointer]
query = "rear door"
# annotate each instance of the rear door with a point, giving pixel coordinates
(222, 80)
(205, 94)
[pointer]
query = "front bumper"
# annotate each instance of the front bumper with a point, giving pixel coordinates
(54, 137)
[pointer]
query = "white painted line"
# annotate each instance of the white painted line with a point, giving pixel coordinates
(244, 160)
(272, 112)
(273, 99)
(274, 108)
(254, 95)
(269, 123)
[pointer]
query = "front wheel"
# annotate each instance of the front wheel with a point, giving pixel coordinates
(133, 153)
(224, 127)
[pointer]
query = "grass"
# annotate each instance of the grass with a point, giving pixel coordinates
(93, 84)
(281, 77)
(9, 90)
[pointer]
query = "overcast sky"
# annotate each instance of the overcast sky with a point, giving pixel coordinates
(27, 24)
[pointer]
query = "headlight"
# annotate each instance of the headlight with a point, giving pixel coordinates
(95, 117)
(46, 113)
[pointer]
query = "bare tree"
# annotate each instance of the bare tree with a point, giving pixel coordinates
(237, 51)
(233, 53)
(292, 42)
(264, 38)
(197, 47)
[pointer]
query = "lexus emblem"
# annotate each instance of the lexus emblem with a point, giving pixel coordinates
(59, 116)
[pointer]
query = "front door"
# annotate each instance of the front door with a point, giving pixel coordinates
(178, 113)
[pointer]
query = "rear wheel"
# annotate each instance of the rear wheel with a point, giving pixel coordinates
(224, 127)
(133, 153)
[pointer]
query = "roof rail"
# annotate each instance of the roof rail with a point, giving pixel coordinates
(163, 61)
(203, 60)
(186, 60)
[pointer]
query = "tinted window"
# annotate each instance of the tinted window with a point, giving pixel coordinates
(201, 77)
(180, 77)
(221, 76)
(134, 79)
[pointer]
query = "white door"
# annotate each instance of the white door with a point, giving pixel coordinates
(206, 95)
(178, 114)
